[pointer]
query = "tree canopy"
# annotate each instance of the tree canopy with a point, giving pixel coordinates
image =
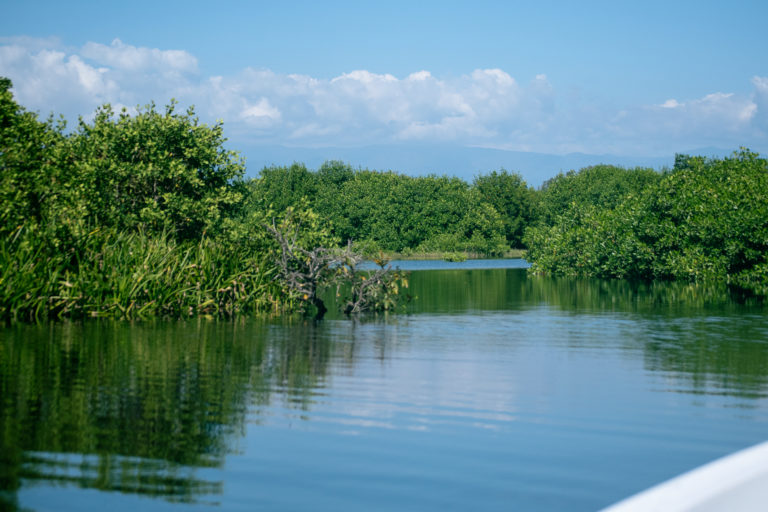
(150, 213)
(396, 212)
(705, 221)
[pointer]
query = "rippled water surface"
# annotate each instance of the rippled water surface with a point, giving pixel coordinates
(494, 391)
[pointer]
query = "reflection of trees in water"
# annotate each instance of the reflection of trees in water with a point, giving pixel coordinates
(713, 355)
(505, 289)
(441, 291)
(597, 295)
(295, 364)
(139, 408)
(136, 408)
(109, 472)
(697, 333)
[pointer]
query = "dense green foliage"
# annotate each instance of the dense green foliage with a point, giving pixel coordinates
(509, 195)
(155, 172)
(603, 186)
(123, 274)
(132, 216)
(149, 214)
(126, 216)
(394, 212)
(29, 168)
(705, 221)
(158, 171)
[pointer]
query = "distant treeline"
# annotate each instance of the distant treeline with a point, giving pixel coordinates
(396, 212)
(148, 214)
(399, 213)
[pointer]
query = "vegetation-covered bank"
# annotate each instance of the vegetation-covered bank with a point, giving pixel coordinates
(149, 215)
(706, 220)
(143, 215)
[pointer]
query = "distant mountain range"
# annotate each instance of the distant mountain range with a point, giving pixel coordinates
(464, 162)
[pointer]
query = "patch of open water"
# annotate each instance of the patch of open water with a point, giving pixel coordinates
(494, 391)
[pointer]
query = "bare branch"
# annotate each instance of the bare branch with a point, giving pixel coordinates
(303, 272)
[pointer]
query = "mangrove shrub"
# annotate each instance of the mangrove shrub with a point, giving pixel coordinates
(705, 221)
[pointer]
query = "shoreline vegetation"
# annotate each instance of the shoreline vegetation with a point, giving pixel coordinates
(134, 216)
(705, 222)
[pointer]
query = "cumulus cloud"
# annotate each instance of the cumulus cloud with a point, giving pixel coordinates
(48, 77)
(261, 114)
(131, 58)
(727, 110)
(486, 107)
(51, 80)
(717, 119)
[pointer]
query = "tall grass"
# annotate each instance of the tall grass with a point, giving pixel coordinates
(130, 275)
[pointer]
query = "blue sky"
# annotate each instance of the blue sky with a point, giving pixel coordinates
(622, 78)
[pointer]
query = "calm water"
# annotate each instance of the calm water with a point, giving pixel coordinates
(493, 392)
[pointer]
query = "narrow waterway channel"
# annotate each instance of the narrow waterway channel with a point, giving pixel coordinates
(492, 391)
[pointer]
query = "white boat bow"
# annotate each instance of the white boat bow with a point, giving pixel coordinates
(734, 483)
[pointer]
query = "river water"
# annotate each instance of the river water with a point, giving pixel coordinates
(492, 391)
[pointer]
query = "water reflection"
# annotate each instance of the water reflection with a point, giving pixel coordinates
(711, 355)
(154, 409)
(697, 333)
(504, 289)
(138, 408)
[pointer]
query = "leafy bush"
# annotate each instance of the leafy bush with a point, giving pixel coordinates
(127, 216)
(31, 170)
(161, 172)
(603, 186)
(400, 213)
(509, 195)
(706, 221)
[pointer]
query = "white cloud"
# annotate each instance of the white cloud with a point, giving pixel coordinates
(719, 119)
(419, 76)
(760, 98)
(131, 58)
(494, 75)
(262, 113)
(487, 107)
(761, 85)
(364, 77)
(49, 78)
